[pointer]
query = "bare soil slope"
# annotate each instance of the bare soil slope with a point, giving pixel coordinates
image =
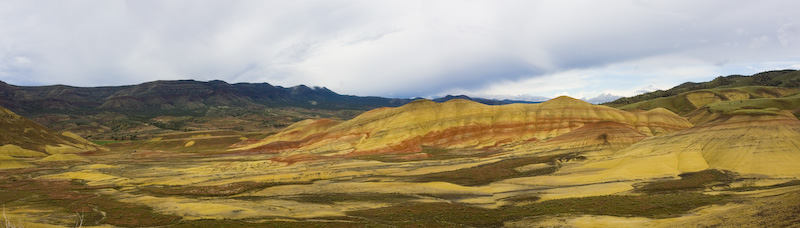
(457, 124)
(21, 137)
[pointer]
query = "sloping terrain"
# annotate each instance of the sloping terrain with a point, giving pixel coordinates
(768, 92)
(702, 102)
(21, 137)
(176, 97)
(778, 208)
(140, 111)
(594, 140)
(751, 145)
(186, 97)
(144, 110)
(724, 99)
(780, 79)
(8, 162)
(747, 143)
(561, 163)
(457, 124)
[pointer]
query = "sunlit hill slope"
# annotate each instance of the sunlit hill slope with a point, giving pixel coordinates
(626, 145)
(457, 124)
(23, 138)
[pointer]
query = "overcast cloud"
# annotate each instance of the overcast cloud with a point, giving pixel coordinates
(496, 49)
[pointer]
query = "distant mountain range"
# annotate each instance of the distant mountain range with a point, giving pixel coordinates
(184, 97)
(602, 98)
(189, 97)
(482, 100)
(184, 105)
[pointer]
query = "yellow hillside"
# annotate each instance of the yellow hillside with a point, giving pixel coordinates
(594, 140)
(21, 137)
(458, 124)
(8, 162)
(751, 145)
(704, 105)
(17, 151)
(63, 157)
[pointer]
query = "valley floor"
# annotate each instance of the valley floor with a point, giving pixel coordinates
(137, 185)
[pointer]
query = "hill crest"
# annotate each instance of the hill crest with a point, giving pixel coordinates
(21, 137)
(456, 124)
(778, 78)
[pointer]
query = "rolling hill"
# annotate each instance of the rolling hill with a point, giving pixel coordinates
(729, 159)
(750, 145)
(620, 145)
(457, 124)
(701, 102)
(23, 138)
(779, 78)
(148, 109)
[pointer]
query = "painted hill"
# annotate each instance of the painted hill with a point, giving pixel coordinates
(593, 141)
(750, 144)
(619, 145)
(458, 124)
(21, 137)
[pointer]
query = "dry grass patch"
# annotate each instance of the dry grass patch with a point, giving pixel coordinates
(691, 181)
(488, 173)
(754, 188)
(352, 197)
(433, 215)
(336, 223)
(217, 190)
(75, 197)
(459, 215)
(123, 214)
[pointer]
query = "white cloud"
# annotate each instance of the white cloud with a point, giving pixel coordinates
(759, 42)
(624, 79)
(21, 60)
(789, 34)
(397, 48)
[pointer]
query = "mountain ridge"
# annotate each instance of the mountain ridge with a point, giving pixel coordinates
(151, 108)
(787, 78)
(168, 95)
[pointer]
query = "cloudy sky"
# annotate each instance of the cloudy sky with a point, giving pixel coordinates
(496, 49)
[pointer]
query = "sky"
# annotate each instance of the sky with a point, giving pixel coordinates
(494, 49)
